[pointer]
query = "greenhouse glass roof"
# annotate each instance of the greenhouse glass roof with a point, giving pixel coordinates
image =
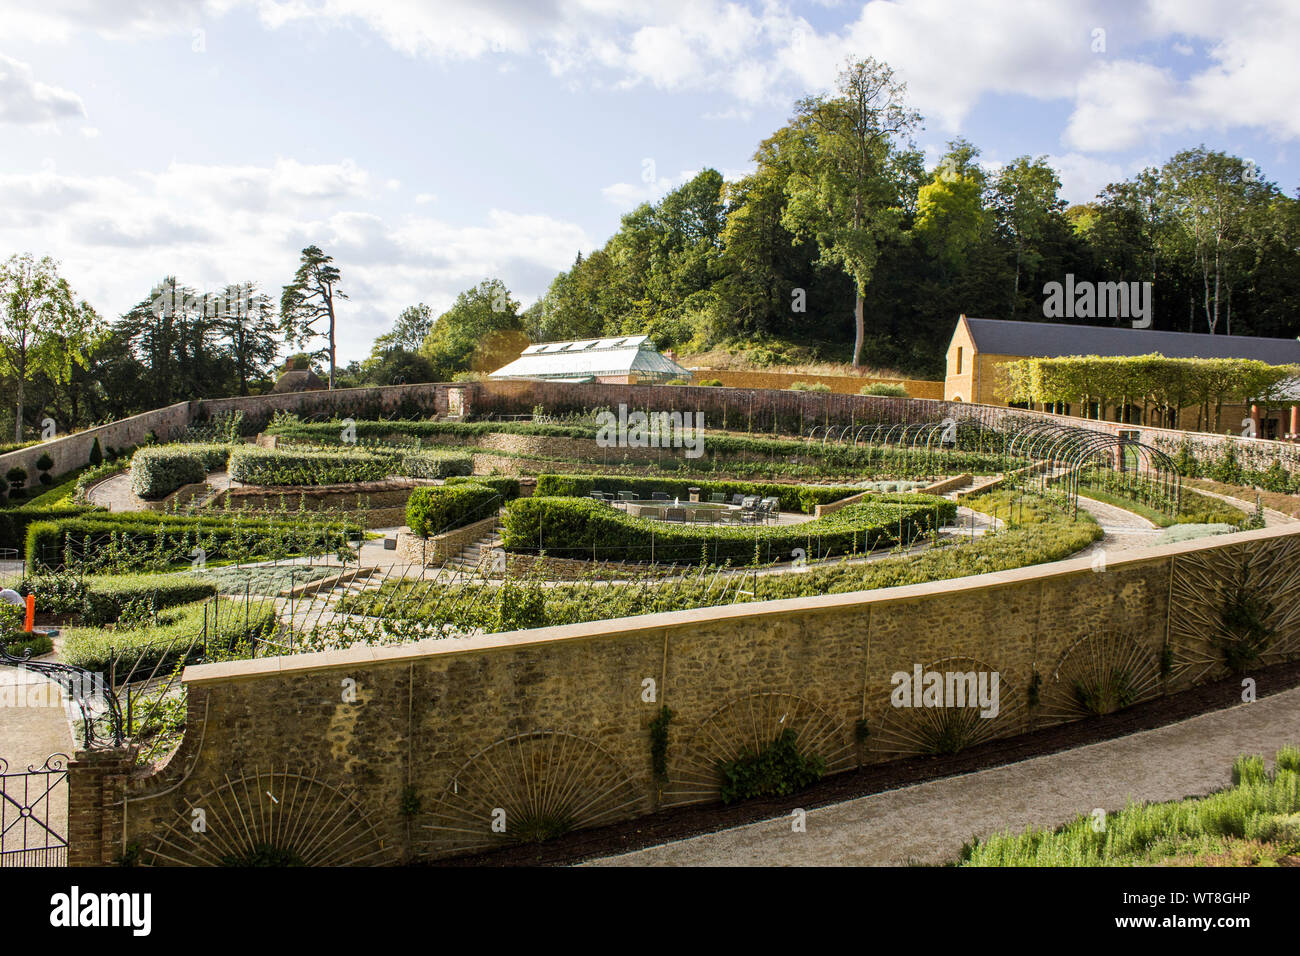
(592, 358)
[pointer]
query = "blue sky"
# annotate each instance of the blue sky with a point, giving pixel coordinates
(427, 145)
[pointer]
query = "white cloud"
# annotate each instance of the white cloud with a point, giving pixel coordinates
(24, 100)
(209, 225)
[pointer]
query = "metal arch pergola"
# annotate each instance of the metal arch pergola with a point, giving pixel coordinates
(1060, 453)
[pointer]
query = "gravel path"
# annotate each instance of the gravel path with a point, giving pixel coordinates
(928, 823)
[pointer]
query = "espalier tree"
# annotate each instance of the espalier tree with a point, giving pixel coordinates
(1151, 381)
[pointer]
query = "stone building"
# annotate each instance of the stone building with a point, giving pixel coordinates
(980, 347)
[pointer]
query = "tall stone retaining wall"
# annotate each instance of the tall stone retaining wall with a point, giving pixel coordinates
(428, 749)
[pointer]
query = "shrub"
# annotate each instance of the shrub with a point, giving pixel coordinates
(433, 510)
(14, 522)
(136, 541)
(809, 387)
(96, 454)
(21, 642)
(175, 639)
(45, 462)
(579, 527)
(509, 487)
(779, 769)
(11, 620)
(436, 464)
(157, 472)
(278, 466)
(711, 383)
(884, 388)
(107, 597)
(17, 477)
(802, 498)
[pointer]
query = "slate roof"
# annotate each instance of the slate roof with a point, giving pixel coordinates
(589, 358)
(1054, 339)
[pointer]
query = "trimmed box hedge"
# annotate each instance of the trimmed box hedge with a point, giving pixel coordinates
(436, 464)
(171, 539)
(177, 637)
(278, 466)
(583, 528)
(803, 498)
(158, 471)
(509, 487)
(106, 596)
(14, 522)
(439, 508)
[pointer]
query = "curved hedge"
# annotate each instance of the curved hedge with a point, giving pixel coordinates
(804, 498)
(439, 508)
(583, 528)
(158, 471)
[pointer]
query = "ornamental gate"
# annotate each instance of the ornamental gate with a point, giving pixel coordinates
(34, 814)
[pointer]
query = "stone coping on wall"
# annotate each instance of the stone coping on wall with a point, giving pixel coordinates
(201, 674)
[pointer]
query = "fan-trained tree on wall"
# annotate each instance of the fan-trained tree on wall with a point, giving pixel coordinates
(43, 330)
(308, 302)
(842, 192)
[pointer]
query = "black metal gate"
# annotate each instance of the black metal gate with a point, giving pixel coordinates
(34, 814)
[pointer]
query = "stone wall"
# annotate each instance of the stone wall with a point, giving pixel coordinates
(70, 452)
(416, 749)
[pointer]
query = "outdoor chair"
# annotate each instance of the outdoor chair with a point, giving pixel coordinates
(749, 509)
(771, 508)
(718, 498)
(706, 516)
(659, 496)
(627, 496)
(737, 500)
(675, 514)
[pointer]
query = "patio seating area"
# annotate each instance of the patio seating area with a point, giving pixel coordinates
(719, 509)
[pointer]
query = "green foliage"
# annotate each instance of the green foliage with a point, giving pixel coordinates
(779, 769)
(481, 332)
(107, 597)
(436, 464)
(137, 541)
(802, 498)
(14, 522)
(439, 508)
(884, 388)
(96, 454)
(1044, 532)
(19, 643)
(228, 623)
(580, 527)
(659, 743)
(1258, 808)
(158, 471)
(507, 487)
(1243, 633)
(275, 466)
(809, 387)
(11, 621)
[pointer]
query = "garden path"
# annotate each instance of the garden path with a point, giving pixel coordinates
(929, 822)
